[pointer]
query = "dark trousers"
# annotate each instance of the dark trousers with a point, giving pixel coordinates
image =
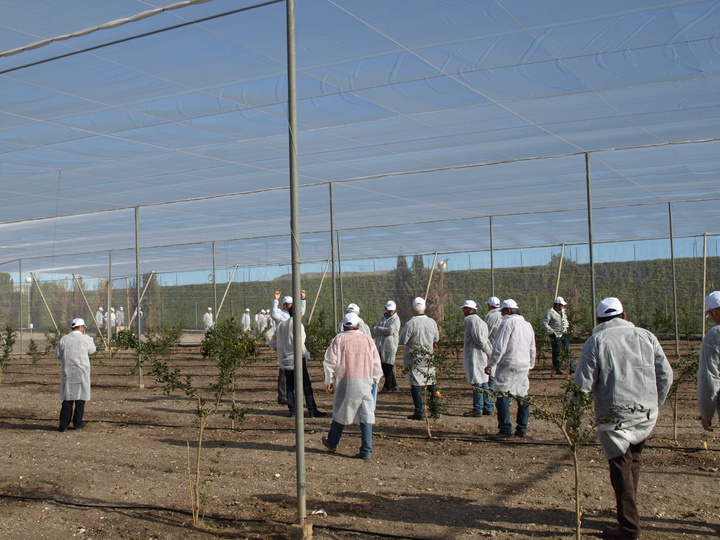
(282, 387)
(417, 396)
(557, 344)
(66, 414)
(624, 476)
(389, 373)
(307, 389)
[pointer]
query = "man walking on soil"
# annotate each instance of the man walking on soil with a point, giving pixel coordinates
(419, 335)
(278, 316)
(514, 355)
(708, 387)
(555, 323)
(387, 331)
(352, 371)
(629, 375)
(476, 348)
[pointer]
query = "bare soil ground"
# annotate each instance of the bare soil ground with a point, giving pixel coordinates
(125, 474)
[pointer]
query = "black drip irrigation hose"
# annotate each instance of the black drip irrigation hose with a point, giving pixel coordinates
(112, 507)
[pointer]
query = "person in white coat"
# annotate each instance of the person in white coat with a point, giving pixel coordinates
(113, 320)
(208, 320)
(284, 340)
(100, 319)
(514, 355)
(493, 317)
(476, 349)
(708, 387)
(74, 350)
(120, 317)
(419, 335)
(245, 320)
(277, 316)
(626, 370)
(352, 371)
(387, 332)
(364, 328)
(555, 323)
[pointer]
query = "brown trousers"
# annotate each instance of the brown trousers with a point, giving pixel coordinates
(624, 476)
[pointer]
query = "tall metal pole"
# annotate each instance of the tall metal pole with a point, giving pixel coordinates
(588, 188)
(109, 300)
(557, 283)
(342, 294)
(137, 290)
(702, 300)
(332, 253)
(492, 259)
(214, 283)
(295, 244)
(672, 261)
(22, 286)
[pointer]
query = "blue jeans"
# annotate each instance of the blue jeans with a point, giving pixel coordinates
(503, 410)
(482, 402)
(336, 431)
(417, 395)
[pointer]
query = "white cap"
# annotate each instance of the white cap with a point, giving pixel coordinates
(469, 303)
(418, 303)
(712, 300)
(247, 309)
(77, 322)
(209, 309)
(350, 319)
(121, 308)
(390, 306)
(353, 308)
(112, 309)
(100, 309)
(510, 304)
(609, 307)
(560, 300)
(287, 300)
(493, 301)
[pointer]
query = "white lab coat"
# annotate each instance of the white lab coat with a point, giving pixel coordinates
(624, 366)
(279, 315)
(476, 348)
(245, 322)
(708, 384)
(514, 355)
(352, 365)
(207, 321)
(120, 318)
(420, 332)
(112, 319)
(493, 318)
(284, 343)
(555, 322)
(99, 318)
(73, 351)
(387, 331)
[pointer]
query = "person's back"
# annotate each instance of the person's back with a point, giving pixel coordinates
(625, 362)
(514, 343)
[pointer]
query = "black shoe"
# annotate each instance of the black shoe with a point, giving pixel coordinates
(326, 444)
(282, 401)
(361, 456)
(559, 372)
(520, 433)
(416, 417)
(384, 391)
(79, 426)
(488, 413)
(291, 414)
(62, 429)
(499, 436)
(317, 414)
(474, 414)
(395, 389)
(616, 531)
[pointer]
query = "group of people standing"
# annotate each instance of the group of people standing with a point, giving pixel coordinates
(113, 318)
(623, 366)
